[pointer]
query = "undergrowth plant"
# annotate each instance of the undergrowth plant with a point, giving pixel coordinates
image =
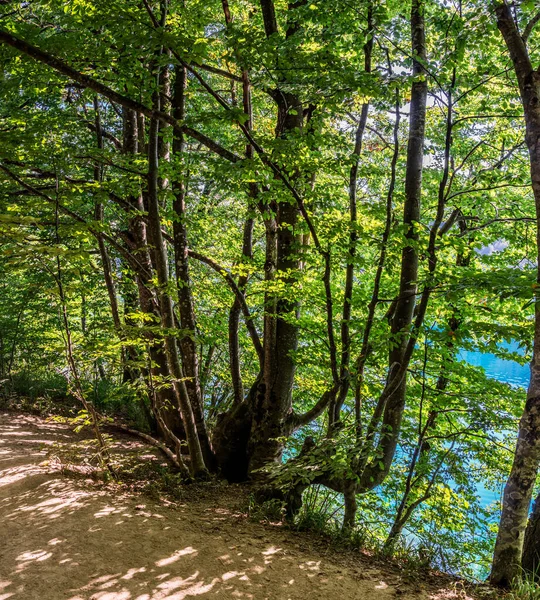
(525, 587)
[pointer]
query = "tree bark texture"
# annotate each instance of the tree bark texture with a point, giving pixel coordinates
(508, 551)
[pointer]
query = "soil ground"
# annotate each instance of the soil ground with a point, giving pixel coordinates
(75, 538)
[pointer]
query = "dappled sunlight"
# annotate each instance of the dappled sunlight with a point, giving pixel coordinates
(132, 572)
(176, 556)
(108, 510)
(311, 566)
(14, 474)
(53, 507)
(26, 558)
(17, 433)
(98, 546)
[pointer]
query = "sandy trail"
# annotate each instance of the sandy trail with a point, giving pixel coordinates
(62, 539)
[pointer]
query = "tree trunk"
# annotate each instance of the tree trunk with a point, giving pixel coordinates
(274, 397)
(530, 560)
(234, 318)
(247, 245)
(271, 405)
(136, 239)
(518, 491)
(334, 412)
(186, 310)
(198, 466)
(517, 498)
(392, 401)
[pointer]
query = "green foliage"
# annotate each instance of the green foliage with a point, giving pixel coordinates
(483, 290)
(525, 588)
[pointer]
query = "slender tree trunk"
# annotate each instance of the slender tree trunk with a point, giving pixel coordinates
(247, 241)
(344, 370)
(407, 505)
(198, 466)
(392, 401)
(234, 318)
(136, 239)
(188, 343)
(530, 560)
(11, 358)
(103, 252)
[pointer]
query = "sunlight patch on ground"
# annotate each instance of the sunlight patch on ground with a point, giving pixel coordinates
(8, 476)
(55, 541)
(132, 572)
(5, 584)
(27, 558)
(109, 510)
(190, 586)
(103, 582)
(271, 550)
(53, 506)
(176, 556)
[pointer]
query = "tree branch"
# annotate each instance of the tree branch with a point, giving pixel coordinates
(298, 421)
(239, 295)
(36, 192)
(89, 82)
(530, 26)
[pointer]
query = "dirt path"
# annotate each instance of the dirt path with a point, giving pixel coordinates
(62, 539)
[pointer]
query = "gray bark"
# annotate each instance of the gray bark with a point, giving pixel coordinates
(508, 551)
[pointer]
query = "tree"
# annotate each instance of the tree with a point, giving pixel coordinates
(519, 487)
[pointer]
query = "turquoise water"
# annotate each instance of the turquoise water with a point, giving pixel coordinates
(507, 371)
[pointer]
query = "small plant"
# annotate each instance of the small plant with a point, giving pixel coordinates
(320, 511)
(269, 511)
(526, 588)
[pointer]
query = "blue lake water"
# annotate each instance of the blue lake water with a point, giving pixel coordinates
(507, 371)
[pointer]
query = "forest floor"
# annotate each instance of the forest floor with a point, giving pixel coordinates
(64, 535)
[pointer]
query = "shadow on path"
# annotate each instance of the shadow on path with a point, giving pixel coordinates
(64, 540)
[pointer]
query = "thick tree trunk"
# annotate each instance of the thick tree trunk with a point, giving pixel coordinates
(274, 398)
(518, 491)
(273, 401)
(517, 497)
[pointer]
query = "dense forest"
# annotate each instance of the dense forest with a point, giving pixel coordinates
(263, 233)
